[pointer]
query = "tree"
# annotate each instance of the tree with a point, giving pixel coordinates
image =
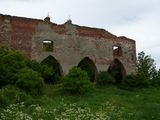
(146, 66)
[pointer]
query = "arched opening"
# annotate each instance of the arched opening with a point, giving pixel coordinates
(52, 62)
(88, 65)
(117, 70)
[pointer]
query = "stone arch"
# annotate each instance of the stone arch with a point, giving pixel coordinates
(52, 62)
(88, 65)
(117, 70)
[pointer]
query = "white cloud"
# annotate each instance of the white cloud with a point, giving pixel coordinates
(138, 19)
(146, 33)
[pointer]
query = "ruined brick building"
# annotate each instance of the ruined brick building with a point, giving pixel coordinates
(68, 44)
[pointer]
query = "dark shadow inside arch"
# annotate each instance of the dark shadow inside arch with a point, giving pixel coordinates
(117, 70)
(88, 65)
(52, 62)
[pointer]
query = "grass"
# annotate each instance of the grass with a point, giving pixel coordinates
(110, 103)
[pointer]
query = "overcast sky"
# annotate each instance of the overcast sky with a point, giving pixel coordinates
(136, 19)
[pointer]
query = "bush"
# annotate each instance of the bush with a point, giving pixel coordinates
(142, 81)
(56, 74)
(156, 80)
(30, 81)
(77, 82)
(136, 81)
(11, 95)
(10, 63)
(42, 69)
(104, 78)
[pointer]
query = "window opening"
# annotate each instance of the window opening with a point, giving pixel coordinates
(117, 51)
(47, 45)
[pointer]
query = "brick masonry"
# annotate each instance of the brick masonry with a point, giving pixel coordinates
(71, 43)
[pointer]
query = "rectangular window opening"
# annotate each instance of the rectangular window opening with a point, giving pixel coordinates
(47, 45)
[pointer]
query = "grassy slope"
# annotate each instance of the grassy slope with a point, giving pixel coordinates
(137, 105)
(143, 104)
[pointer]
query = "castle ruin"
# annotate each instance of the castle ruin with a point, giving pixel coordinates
(68, 44)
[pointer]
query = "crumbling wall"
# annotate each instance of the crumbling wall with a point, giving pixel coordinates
(5, 30)
(71, 43)
(17, 32)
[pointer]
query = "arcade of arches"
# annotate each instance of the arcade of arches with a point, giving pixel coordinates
(116, 69)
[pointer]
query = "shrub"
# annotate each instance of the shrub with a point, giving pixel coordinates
(156, 80)
(104, 78)
(130, 81)
(77, 81)
(54, 64)
(42, 69)
(142, 81)
(30, 81)
(136, 81)
(88, 65)
(10, 95)
(3, 50)
(10, 64)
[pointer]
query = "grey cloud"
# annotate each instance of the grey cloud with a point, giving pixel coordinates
(138, 19)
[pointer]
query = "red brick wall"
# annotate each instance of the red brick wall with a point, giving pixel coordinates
(94, 32)
(22, 33)
(22, 30)
(19, 32)
(4, 33)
